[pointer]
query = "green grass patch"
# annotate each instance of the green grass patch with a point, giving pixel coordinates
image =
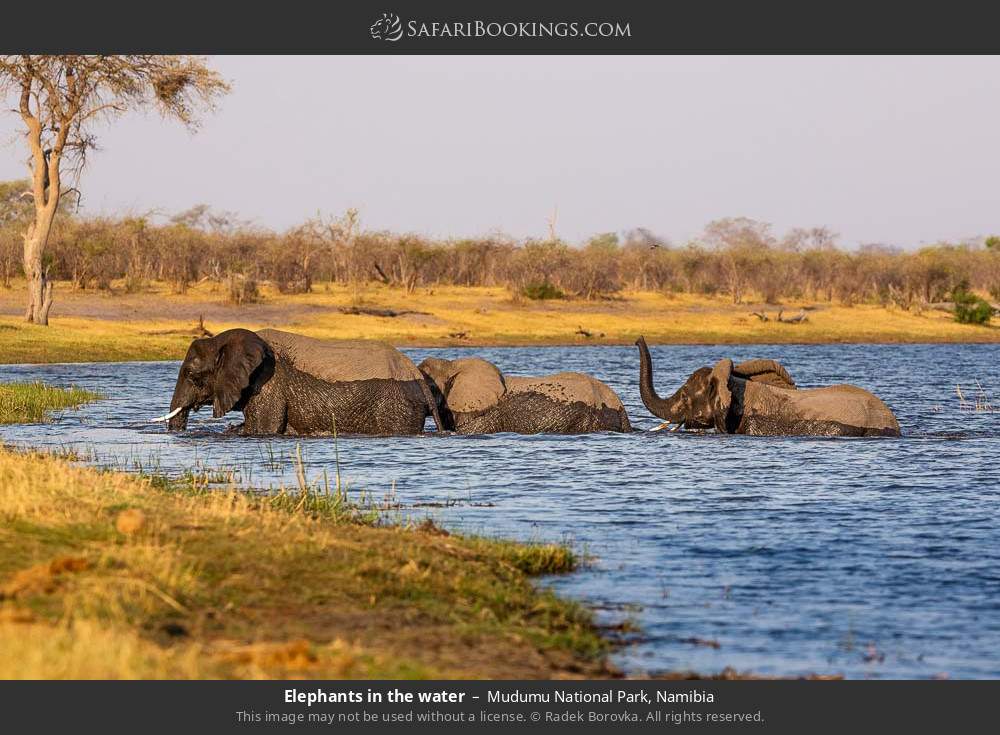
(32, 403)
(530, 558)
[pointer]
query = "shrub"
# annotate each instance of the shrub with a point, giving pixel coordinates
(969, 308)
(542, 291)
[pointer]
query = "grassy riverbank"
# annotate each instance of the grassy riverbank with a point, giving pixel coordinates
(155, 325)
(22, 403)
(110, 575)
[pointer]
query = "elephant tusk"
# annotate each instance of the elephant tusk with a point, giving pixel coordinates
(664, 425)
(678, 427)
(168, 416)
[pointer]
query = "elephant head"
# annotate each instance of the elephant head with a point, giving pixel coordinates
(704, 401)
(691, 405)
(465, 385)
(224, 371)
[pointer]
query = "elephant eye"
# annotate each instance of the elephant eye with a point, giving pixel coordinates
(196, 378)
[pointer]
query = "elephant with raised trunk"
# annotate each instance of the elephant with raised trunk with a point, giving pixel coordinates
(759, 397)
(289, 384)
(474, 397)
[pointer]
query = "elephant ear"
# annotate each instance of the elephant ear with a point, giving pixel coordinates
(771, 372)
(474, 386)
(720, 393)
(238, 359)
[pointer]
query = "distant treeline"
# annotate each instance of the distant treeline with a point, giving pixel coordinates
(739, 258)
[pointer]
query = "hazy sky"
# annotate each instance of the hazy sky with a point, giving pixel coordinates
(880, 149)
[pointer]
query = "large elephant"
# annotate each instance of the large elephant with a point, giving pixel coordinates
(474, 397)
(289, 384)
(759, 397)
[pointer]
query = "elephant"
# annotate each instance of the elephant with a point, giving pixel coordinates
(474, 397)
(289, 384)
(759, 397)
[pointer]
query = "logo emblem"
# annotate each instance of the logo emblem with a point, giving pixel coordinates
(387, 28)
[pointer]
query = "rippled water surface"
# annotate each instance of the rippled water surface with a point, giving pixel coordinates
(866, 557)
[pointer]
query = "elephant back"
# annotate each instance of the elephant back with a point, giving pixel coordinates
(567, 387)
(851, 405)
(341, 360)
(843, 405)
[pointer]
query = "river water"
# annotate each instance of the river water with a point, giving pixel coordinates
(779, 556)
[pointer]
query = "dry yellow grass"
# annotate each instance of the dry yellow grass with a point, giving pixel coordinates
(156, 324)
(221, 584)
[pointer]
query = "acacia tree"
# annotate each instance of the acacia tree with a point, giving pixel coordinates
(60, 98)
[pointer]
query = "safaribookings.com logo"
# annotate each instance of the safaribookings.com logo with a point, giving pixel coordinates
(387, 28)
(390, 28)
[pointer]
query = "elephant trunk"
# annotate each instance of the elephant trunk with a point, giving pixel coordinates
(664, 408)
(180, 400)
(180, 421)
(431, 401)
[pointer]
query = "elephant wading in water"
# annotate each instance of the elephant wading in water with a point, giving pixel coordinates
(288, 384)
(759, 397)
(474, 397)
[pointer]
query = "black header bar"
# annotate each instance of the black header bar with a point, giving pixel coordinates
(514, 27)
